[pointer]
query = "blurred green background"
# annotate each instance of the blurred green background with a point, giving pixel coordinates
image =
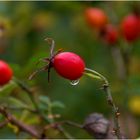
(25, 25)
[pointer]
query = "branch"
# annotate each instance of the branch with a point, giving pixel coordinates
(120, 64)
(58, 126)
(109, 98)
(115, 111)
(10, 118)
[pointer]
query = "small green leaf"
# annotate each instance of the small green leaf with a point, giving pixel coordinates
(16, 103)
(43, 106)
(6, 90)
(58, 104)
(44, 99)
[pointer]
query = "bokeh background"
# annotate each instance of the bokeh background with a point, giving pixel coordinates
(23, 28)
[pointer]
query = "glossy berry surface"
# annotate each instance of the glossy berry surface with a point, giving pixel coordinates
(96, 17)
(110, 34)
(69, 65)
(5, 73)
(130, 27)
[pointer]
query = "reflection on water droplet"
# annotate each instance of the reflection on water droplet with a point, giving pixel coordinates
(74, 82)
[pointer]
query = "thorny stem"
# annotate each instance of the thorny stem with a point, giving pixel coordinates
(120, 64)
(106, 88)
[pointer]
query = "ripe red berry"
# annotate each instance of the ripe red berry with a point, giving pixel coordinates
(139, 24)
(69, 65)
(110, 34)
(129, 27)
(96, 17)
(5, 73)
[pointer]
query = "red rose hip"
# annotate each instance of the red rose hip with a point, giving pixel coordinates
(110, 34)
(5, 73)
(130, 27)
(69, 65)
(96, 17)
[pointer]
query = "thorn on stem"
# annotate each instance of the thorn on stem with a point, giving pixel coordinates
(110, 102)
(118, 114)
(105, 86)
(113, 131)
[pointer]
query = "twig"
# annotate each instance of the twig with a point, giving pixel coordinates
(64, 132)
(109, 100)
(18, 123)
(114, 110)
(58, 126)
(120, 64)
(27, 90)
(72, 124)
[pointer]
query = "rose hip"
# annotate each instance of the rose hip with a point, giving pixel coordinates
(110, 34)
(130, 27)
(69, 65)
(96, 17)
(5, 73)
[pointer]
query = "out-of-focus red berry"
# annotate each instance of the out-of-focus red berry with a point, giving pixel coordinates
(139, 25)
(96, 17)
(69, 65)
(110, 34)
(130, 27)
(5, 73)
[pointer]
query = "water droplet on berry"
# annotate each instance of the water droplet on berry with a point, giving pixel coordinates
(74, 82)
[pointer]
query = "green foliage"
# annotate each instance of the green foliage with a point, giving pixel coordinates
(26, 25)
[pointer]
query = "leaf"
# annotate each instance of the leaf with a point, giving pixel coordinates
(58, 104)
(17, 103)
(44, 99)
(43, 106)
(6, 90)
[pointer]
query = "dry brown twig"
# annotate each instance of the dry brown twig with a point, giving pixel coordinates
(12, 119)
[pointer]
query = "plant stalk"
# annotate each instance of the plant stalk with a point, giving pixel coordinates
(106, 88)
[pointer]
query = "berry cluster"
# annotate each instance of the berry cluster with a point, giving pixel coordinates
(129, 27)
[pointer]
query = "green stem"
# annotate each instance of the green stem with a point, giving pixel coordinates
(65, 133)
(93, 73)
